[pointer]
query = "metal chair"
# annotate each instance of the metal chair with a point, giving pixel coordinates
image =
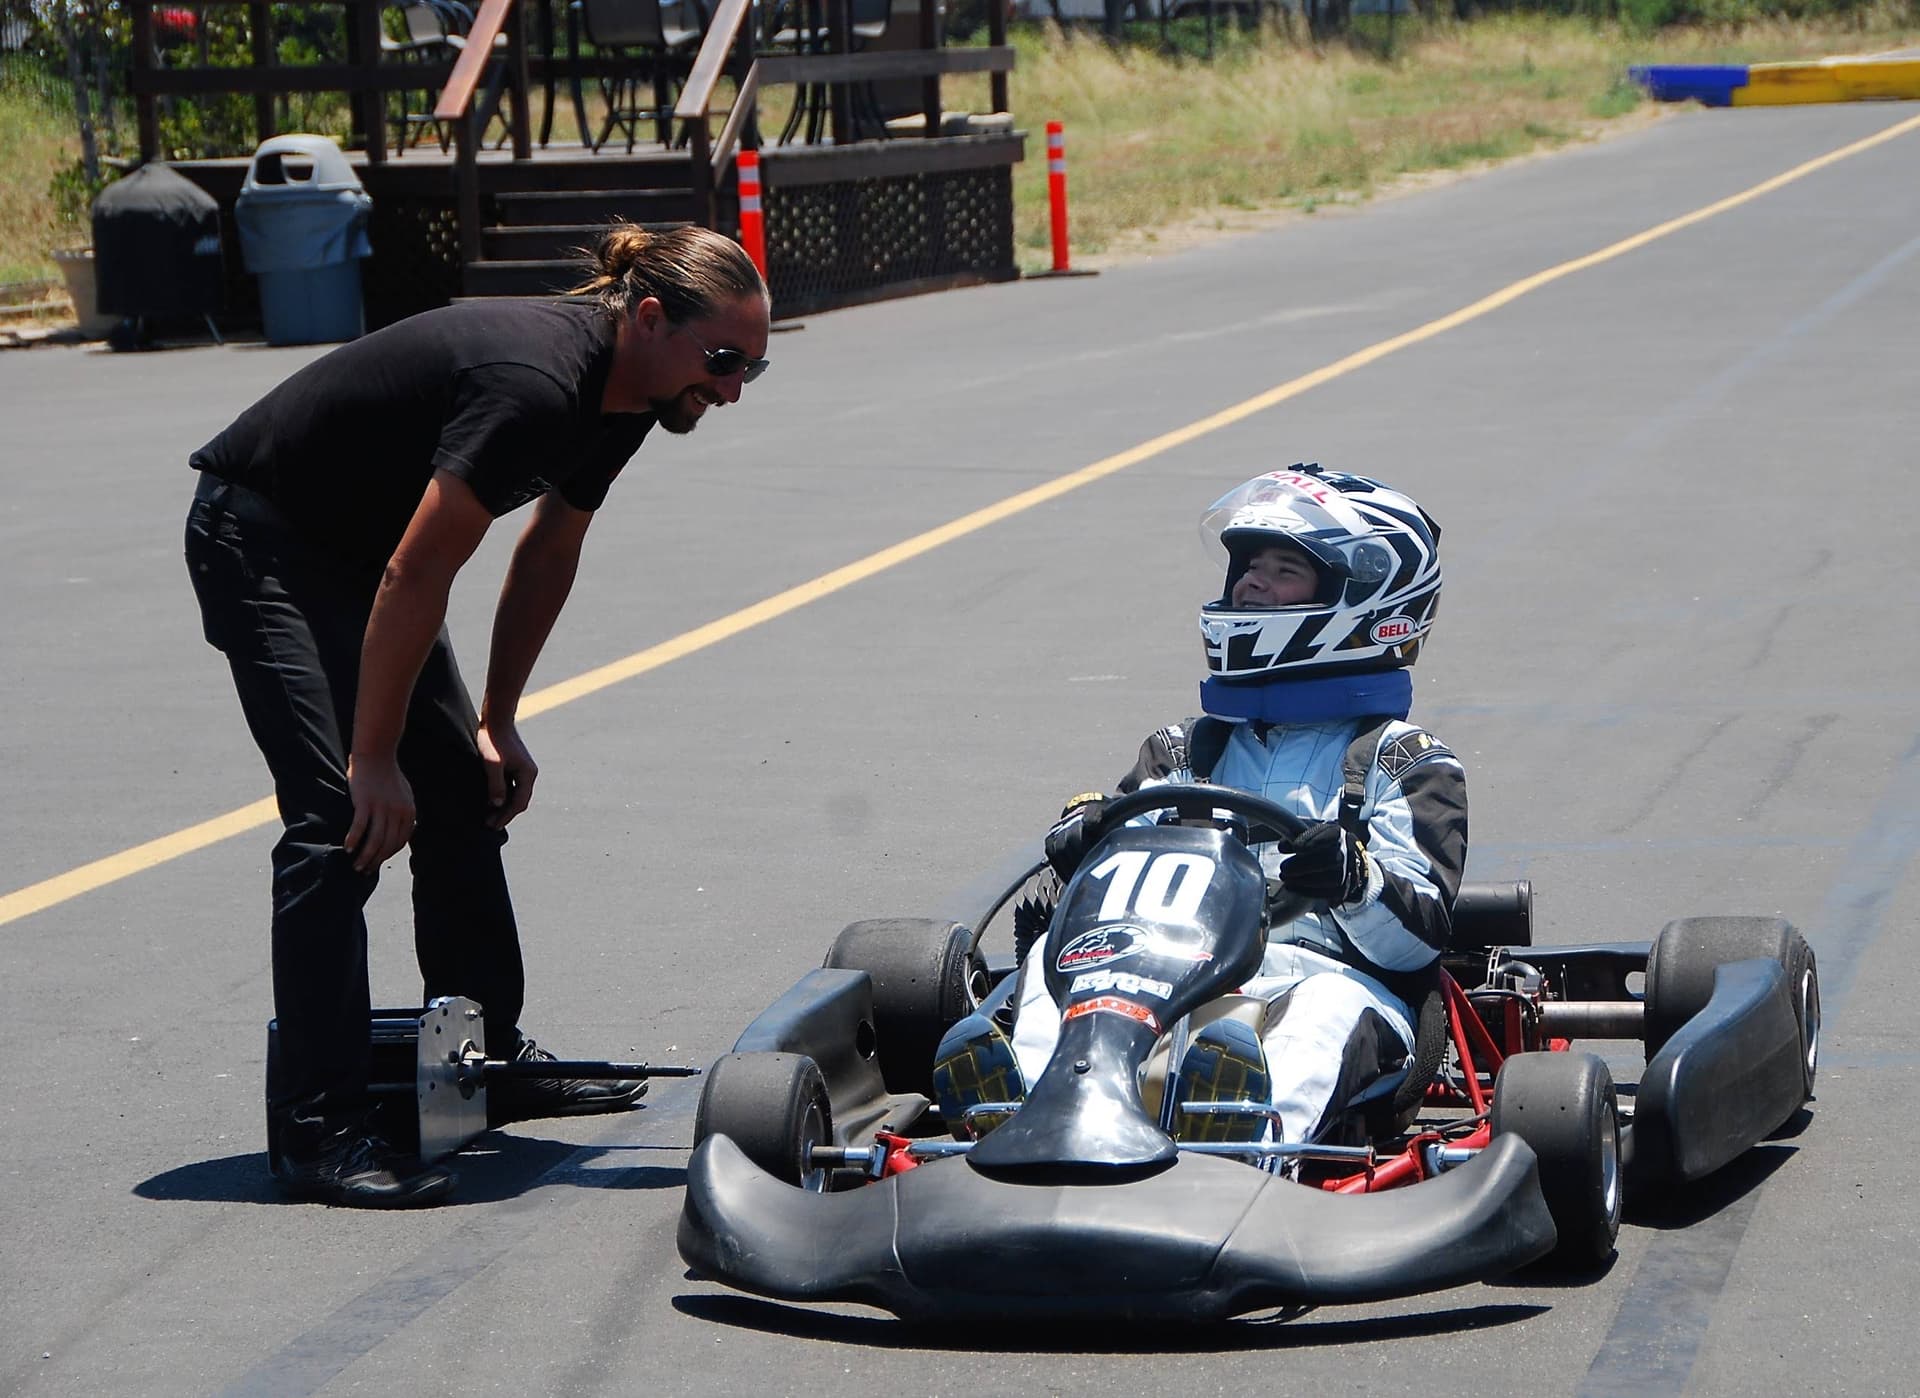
(435, 33)
(426, 41)
(654, 42)
(801, 26)
(867, 21)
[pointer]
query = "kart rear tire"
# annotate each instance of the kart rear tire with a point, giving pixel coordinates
(1563, 1105)
(926, 979)
(774, 1106)
(1684, 957)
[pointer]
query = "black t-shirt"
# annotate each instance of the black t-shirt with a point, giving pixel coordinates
(503, 394)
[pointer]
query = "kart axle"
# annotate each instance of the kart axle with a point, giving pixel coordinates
(1593, 1019)
(1362, 1155)
(872, 1159)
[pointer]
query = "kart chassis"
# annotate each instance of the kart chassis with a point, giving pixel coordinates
(1727, 1008)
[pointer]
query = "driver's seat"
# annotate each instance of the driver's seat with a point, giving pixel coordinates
(1485, 915)
(1388, 1106)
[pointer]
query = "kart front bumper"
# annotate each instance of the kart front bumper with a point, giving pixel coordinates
(1205, 1239)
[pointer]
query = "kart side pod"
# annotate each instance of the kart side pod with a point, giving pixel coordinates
(828, 1016)
(1731, 1075)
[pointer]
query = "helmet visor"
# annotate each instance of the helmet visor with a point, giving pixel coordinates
(1309, 514)
(1290, 503)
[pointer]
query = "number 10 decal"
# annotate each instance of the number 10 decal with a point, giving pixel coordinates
(1171, 890)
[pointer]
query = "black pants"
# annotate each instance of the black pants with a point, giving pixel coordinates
(290, 622)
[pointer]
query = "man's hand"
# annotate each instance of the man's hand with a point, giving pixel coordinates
(510, 772)
(1078, 827)
(1327, 864)
(383, 811)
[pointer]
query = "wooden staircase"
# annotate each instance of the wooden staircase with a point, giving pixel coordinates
(533, 243)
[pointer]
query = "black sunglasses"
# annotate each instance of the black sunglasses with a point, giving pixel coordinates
(723, 363)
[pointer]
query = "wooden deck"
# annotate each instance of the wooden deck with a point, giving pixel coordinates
(561, 165)
(844, 224)
(856, 211)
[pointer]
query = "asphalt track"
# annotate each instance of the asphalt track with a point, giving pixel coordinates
(1676, 654)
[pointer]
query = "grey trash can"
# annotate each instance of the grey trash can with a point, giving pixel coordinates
(302, 215)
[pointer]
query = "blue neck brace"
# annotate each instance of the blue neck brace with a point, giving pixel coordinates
(1386, 692)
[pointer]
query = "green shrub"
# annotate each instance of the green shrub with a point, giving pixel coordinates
(1648, 15)
(72, 194)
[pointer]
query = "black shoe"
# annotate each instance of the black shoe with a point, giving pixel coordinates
(523, 1099)
(362, 1171)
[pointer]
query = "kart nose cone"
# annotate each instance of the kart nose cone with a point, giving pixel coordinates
(1204, 1239)
(1082, 1124)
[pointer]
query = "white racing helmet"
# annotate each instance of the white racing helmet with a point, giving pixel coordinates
(1377, 555)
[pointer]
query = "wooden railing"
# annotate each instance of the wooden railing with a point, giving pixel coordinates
(455, 105)
(364, 79)
(836, 70)
(454, 109)
(727, 32)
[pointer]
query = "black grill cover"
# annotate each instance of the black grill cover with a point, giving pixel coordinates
(156, 246)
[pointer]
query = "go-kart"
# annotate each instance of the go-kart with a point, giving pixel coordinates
(867, 1139)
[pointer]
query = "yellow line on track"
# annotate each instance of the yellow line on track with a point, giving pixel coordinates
(40, 896)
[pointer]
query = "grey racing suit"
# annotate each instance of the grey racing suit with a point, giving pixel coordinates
(1337, 978)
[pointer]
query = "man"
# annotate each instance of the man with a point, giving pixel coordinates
(329, 523)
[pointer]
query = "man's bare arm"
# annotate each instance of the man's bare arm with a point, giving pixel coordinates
(408, 612)
(538, 581)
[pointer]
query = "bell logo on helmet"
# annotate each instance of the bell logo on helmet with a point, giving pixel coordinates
(1392, 631)
(1309, 486)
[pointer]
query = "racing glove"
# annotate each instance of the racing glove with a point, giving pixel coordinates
(1327, 864)
(1074, 833)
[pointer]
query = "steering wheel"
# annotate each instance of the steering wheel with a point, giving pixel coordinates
(1197, 801)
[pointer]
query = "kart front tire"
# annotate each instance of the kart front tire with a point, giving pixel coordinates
(926, 979)
(1563, 1105)
(1684, 957)
(774, 1106)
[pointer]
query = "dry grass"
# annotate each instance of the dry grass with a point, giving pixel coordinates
(34, 144)
(1156, 142)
